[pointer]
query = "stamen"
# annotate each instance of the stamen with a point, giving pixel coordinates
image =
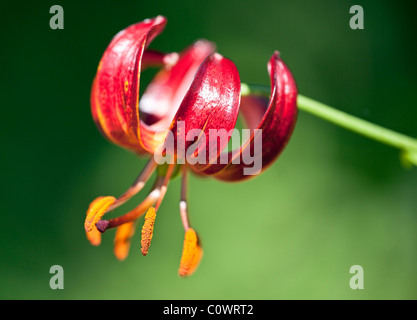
(96, 211)
(191, 254)
(101, 205)
(134, 214)
(122, 239)
(94, 236)
(192, 251)
(137, 185)
(147, 230)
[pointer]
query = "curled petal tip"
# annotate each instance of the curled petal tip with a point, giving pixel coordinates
(96, 211)
(271, 123)
(171, 59)
(115, 91)
(191, 254)
(160, 18)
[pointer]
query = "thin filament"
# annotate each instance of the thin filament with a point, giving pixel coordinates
(134, 214)
(183, 201)
(137, 185)
(164, 186)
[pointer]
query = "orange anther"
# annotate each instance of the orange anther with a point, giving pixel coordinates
(191, 254)
(94, 236)
(96, 211)
(147, 230)
(122, 239)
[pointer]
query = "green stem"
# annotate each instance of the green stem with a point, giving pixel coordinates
(405, 143)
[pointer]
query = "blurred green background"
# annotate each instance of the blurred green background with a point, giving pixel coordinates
(334, 199)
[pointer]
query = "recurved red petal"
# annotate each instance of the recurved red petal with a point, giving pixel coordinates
(276, 118)
(115, 91)
(211, 103)
(163, 96)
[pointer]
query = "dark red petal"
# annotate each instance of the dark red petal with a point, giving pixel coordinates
(115, 92)
(277, 122)
(163, 96)
(212, 102)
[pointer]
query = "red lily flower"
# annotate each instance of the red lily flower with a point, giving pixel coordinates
(196, 89)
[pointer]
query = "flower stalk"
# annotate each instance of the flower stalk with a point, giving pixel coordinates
(406, 144)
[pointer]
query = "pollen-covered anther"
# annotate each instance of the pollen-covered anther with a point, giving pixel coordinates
(94, 236)
(96, 211)
(191, 254)
(122, 239)
(147, 230)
